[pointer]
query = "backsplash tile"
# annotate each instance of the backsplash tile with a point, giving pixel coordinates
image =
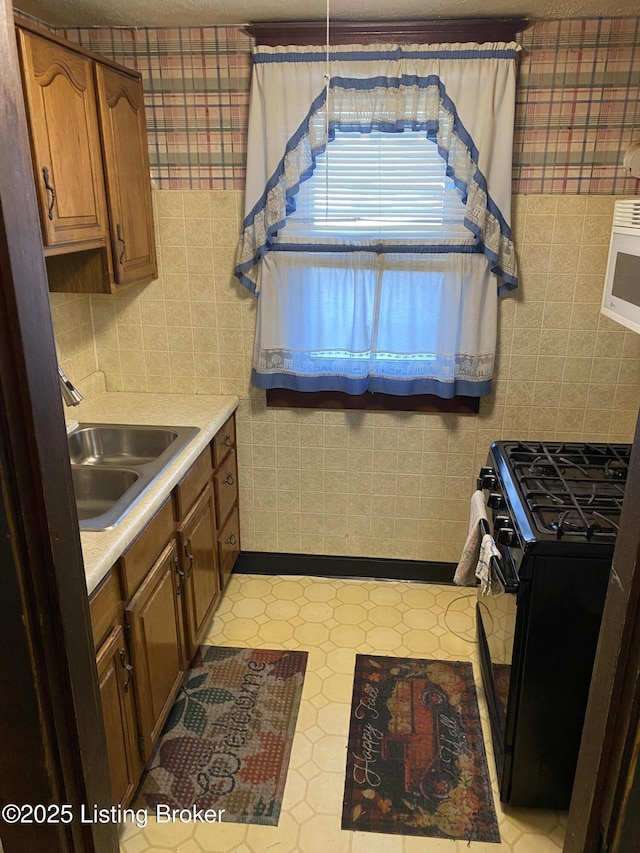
(72, 322)
(355, 483)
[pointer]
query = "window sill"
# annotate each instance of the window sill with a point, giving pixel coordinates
(284, 398)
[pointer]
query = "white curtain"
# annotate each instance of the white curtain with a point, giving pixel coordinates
(387, 317)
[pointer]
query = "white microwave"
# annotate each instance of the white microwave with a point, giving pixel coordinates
(621, 297)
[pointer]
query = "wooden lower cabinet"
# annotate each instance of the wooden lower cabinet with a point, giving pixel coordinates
(197, 540)
(225, 483)
(154, 617)
(118, 710)
(229, 545)
(150, 613)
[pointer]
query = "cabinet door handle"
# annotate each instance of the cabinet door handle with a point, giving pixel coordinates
(127, 667)
(50, 190)
(229, 479)
(121, 240)
(189, 556)
(232, 539)
(227, 441)
(180, 574)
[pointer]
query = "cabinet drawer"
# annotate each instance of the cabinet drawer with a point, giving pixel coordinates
(193, 483)
(104, 609)
(228, 546)
(225, 482)
(134, 563)
(224, 440)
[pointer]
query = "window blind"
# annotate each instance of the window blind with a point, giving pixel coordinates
(378, 185)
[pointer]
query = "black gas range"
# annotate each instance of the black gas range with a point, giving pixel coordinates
(554, 510)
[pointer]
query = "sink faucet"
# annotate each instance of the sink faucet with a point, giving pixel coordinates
(70, 393)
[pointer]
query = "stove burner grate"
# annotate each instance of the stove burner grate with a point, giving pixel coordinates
(571, 489)
(590, 524)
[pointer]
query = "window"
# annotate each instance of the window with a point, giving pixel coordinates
(367, 187)
(376, 233)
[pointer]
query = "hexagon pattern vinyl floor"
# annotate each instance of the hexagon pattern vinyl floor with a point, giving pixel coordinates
(333, 620)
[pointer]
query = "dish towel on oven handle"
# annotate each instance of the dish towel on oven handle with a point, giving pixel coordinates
(489, 584)
(465, 574)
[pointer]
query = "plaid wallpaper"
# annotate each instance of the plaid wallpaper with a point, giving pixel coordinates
(578, 106)
(578, 103)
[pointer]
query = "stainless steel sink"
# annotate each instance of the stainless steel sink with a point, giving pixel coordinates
(98, 489)
(117, 444)
(112, 465)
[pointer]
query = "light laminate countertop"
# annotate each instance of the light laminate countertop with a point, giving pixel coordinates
(100, 550)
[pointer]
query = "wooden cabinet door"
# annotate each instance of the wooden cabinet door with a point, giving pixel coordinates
(63, 122)
(197, 538)
(126, 164)
(118, 710)
(155, 619)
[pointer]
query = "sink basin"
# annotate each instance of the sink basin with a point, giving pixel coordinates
(98, 489)
(118, 444)
(112, 465)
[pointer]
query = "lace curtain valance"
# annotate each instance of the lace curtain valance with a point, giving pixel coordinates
(461, 95)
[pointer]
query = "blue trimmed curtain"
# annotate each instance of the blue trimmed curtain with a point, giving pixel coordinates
(399, 316)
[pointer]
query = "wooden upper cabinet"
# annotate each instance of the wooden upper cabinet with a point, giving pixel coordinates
(65, 143)
(91, 165)
(126, 165)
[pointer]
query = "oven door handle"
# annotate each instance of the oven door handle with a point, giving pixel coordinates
(510, 585)
(495, 565)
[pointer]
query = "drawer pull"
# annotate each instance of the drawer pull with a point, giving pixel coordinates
(229, 479)
(227, 440)
(189, 556)
(127, 667)
(232, 539)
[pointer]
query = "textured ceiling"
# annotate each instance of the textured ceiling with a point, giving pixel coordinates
(182, 13)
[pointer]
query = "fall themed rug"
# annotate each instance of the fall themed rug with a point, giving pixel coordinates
(416, 763)
(227, 741)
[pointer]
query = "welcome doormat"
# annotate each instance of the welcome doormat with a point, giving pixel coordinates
(416, 763)
(227, 741)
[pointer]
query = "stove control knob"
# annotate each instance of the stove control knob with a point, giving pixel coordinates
(495, 501)
(487, 478)
(505, 536)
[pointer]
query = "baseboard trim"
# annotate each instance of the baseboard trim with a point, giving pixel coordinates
(365, 568)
